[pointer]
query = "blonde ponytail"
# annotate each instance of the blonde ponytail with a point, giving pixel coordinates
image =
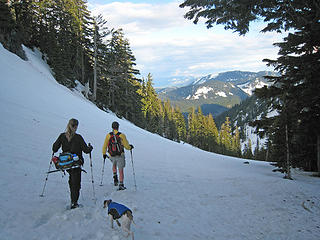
(71, 129)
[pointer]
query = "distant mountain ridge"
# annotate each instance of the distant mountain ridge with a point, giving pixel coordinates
(218, 90)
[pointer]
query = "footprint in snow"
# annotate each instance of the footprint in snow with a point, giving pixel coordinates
(43, 219)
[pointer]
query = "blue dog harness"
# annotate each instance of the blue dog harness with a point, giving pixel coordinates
(117, 210)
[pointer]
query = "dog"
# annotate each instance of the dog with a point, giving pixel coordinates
(119, 211)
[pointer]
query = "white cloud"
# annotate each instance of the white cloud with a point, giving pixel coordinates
(167, 45)
(143, 17)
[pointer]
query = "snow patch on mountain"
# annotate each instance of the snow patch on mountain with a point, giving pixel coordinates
(201, 92)
(221, 94)
(204, 79)
(249, 87)
(199, 81)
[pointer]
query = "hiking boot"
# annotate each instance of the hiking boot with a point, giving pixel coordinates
(74, 205)
(121, 187)
(115, 180)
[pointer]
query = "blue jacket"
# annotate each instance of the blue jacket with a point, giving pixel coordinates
(117, 210)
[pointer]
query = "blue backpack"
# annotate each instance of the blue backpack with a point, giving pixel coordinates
(66, 161)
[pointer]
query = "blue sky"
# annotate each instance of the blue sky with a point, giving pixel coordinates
(172, 48)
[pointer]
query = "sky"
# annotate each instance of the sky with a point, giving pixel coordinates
(181, 192)
(172, 48)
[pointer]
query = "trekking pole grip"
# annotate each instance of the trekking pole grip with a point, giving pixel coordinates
(90, 151)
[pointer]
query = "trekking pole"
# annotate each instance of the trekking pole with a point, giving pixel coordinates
(94, 195)
(134, 174)
(104, 161)
(45, 182)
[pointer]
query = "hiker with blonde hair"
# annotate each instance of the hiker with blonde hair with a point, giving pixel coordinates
(71, 142)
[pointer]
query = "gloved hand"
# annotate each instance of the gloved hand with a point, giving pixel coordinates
(81, 162)
(131, 146)
(104, 156)
(90, 147)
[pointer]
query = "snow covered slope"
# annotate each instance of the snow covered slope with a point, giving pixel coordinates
(183, 192)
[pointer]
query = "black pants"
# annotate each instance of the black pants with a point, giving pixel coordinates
(74, 184)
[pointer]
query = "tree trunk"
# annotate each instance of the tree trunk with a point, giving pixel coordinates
(95, 64)
(288, 167)
(318, 153)
(82, 66)
(126, 113)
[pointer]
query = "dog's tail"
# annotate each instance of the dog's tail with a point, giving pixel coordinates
(130, 216)
(134, 223)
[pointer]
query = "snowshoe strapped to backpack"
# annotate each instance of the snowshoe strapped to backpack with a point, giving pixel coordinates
(66, 161)
(115, 147)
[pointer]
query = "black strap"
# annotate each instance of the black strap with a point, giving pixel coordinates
(63, 170)
(115, 139)
(112, 133)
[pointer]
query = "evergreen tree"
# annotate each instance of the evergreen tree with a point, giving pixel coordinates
(159, 118)
(259, 152)
(201, 131)
(6, 20)
(124, 98)
(236, 146)
(100, 61)
(167, 120)
(192, 127)
(10, 36)
(247, 153)
(151, 106)
(180, 124)
(212, 135)
(226, 137)
(84, 32)
(152, 100)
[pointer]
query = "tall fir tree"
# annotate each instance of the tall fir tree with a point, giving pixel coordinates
(213, 135)
(151, 106)
(180, 124)
(192, 127)
(10, 32)
(226, 136)
(236, 145)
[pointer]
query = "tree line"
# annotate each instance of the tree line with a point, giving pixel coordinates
(197, 129)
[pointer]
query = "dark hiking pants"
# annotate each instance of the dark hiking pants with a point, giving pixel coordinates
(74, 184)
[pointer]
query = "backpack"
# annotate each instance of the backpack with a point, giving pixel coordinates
(66, 161)
(115, 147)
